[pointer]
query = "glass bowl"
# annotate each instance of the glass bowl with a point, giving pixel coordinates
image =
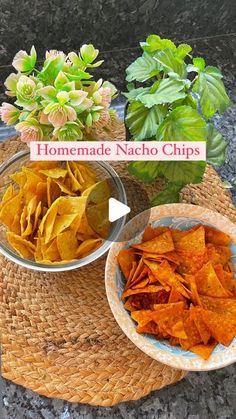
(104, 171)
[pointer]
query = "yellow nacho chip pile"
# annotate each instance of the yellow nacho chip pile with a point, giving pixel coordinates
(46, 211)
(179, 286)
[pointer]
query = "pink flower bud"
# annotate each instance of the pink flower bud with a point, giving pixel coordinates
(31, 134)
(105, 93)
(9, 113)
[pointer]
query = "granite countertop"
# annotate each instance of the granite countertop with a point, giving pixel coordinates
(199, 395)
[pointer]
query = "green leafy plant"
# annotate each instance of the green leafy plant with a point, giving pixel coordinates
(171, 97)
(59, 101)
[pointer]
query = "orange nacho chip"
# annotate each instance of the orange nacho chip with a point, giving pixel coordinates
(204, 350)
(216, 237)
(195, 315)
(226, 278)
(160, 244)
(150, 232)
(193, 241)
(219, 305)
(149, 288)
(221, 325)
(208, 282)
(182, 294)
(125, 259)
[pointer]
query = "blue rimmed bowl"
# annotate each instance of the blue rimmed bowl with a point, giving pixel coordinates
(183, 217)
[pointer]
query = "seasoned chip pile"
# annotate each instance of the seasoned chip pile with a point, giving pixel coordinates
(46, 212)
(179, 286)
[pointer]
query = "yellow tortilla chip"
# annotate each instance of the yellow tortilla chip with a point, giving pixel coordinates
(9, 193)
(15, 227)
(10, 208)
(30, 210)
(51, 253)
(19, 178)
(87, 247)
(24, 247)
(53, 191)
(97, 216)
(97, 193)
(64, 188)
(54, 173)
(75, 185)
(37, 215)
(61, 223)
(72, 205)
(67, 245)
(47, 223)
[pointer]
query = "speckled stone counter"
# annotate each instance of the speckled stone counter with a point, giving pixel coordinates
(199, 395)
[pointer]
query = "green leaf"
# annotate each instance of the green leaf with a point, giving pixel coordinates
(48, 92)
(183, 172)
(199, 62)
(130, 86)
(191, 68)
(61, 80)
(210, 87)
(168, 195)
(134, 94)
(170, 63)
(189, 100)
(168, 91)
(51, 69)
(183, 50)
(142, 69)
(143, 122)
(147, 171)
(178, 172)
(216, 146)
(176, 76)
(182, 124)
(78, 75)
(155, 43)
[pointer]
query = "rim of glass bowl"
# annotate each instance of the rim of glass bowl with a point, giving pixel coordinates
(9, 254)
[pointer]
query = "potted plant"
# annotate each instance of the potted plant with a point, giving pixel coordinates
(171, 97)
(59, 100)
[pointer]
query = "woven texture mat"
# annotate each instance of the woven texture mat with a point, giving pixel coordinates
(59, 337)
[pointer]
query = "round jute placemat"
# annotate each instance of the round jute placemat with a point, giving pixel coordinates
(59, 337)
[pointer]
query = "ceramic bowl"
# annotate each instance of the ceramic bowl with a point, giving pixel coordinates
(181, 216)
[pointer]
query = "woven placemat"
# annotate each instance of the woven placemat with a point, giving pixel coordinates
(59, 337)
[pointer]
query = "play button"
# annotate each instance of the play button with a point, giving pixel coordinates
(116, 210)
(107, 209)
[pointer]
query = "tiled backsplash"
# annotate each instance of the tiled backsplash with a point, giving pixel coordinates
(110, 24)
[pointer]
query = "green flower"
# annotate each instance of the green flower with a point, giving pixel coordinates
(26, 93)
(30, 130)
(10, 83)
(61, 106)
(86, 57)
(71, 131)
(24, 62)
(9, 113)
(88, 53)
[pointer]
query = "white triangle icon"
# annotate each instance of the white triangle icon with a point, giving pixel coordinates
(117, 210)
